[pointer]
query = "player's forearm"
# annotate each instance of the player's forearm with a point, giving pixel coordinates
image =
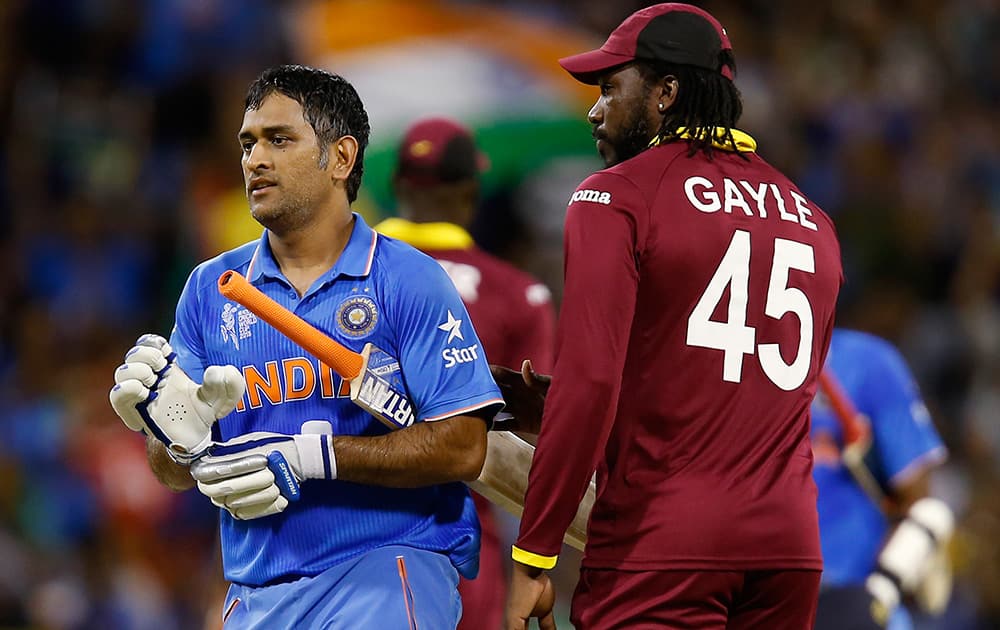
(168, 472)
(424, 454)
(906, 494)
(561, 470)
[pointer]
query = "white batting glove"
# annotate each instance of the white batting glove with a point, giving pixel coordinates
(152, 394)
(258, 474)
(914, 561)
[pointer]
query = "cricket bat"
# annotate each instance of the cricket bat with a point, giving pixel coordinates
(504, 482)
(376, 383)
(376, 386)
(856, 431)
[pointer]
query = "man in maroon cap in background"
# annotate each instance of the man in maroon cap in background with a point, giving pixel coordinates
(436, 183)
(700, 287)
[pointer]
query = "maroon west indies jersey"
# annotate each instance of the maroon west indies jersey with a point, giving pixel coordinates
(698, 308)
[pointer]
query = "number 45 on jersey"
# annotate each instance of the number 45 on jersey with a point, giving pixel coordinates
(733, 336)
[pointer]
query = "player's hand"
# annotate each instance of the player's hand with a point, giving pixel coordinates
(259, 474)
(531, 595)
(152, 394)
(913, 563)
(524, 394)
(885, 598)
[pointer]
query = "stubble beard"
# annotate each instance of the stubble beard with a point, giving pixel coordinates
(634, 140)
(288, 215)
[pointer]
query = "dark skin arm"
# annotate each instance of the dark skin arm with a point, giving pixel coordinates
(909, 493)
(424, 454)
(167, 471)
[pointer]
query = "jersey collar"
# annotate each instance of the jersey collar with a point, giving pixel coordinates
(426, 236)
(356, 259)
(744, 141)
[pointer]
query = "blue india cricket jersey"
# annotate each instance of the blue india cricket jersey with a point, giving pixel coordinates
(380, 291)
(904, 441)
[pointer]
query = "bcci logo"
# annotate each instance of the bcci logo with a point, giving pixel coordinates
(236, 324)
(357, 316)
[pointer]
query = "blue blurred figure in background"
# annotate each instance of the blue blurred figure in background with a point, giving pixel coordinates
(875, 447)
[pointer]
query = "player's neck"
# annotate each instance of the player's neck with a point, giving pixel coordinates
(305, 254)
(431, 208)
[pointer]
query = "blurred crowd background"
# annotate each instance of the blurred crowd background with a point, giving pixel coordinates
(119, 171)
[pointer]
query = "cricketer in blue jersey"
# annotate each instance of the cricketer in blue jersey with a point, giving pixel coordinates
(905, 447)
(379, 525)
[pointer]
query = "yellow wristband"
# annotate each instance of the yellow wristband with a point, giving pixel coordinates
(533, 559)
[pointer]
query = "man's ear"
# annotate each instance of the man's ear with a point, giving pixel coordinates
(343, 154)
(666, 92)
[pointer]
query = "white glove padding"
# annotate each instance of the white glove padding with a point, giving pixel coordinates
(258, 474)
(243, 486)
(885, 597)
(153, 394)
(934, 591)
(914, 561)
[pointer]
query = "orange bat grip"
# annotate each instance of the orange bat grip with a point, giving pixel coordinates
(854, 429)
(342, 360)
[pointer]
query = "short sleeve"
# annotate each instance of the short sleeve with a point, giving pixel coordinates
(904, 435)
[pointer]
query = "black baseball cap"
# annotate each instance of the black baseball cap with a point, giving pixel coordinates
(671, 32)
(438, 151)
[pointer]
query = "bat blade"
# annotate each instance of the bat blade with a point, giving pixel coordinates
(856, 430)
(504, 481)
(379, 388)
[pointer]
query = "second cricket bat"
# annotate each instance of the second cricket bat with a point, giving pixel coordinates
(857, 437)
(504, 482)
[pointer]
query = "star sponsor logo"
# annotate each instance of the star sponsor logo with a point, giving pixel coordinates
(455, 356)
(236, 323)
(453, 327)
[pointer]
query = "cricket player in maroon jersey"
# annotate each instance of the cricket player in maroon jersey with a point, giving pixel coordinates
(700, 286)
(437, 186)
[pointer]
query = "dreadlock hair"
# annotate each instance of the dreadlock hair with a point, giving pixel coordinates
(330, 105)
(706, 100)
